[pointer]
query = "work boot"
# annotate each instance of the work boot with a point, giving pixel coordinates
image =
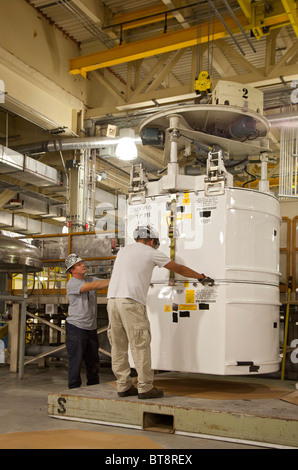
(153, 393)
(128, 393)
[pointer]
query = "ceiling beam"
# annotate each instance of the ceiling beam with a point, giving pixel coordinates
(115, 90)
(179, 15)
(245, 7)
(221, 64)
(140, 17)
(182, 93)
(148, 66)
(5, 196)
(156, 70)
(284, 59)
(291, 9)
(233, 54)
(270, 50)
(94, 10)
(169, 42)
(160, 77)
(149, 47)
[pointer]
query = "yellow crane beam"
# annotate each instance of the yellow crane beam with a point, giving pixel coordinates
(141, 17)
(166, 43)
(150, 47)
(291, 10)
(245, 7)
(261, 20)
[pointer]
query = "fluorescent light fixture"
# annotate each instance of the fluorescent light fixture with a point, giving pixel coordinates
(126, 148)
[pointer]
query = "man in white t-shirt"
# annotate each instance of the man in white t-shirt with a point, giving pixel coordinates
(128, 321)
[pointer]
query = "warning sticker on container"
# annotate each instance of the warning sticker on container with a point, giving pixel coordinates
(184, 216)
(206, 295)
(190, 296)
(186, 199)
(187, 307)
(206, 203)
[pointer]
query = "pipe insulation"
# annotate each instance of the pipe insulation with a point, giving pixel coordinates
(59, 145)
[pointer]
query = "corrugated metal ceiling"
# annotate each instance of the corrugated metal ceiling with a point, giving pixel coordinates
(66, 15)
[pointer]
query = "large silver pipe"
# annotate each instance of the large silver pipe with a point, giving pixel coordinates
(71, 143)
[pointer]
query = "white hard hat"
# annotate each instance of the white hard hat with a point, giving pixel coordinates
(146, 231)
(71, 260)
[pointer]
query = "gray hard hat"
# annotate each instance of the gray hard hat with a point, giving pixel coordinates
(71, 260)
(146, 231)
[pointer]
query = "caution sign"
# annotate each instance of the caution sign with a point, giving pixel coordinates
(190, 296)
(187, 307)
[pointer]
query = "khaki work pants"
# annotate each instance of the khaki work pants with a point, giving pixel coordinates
(129, 327)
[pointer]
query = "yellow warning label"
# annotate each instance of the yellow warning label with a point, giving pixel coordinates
(190, 296)
(187, 307)
(168, 308)
(183, 216)
(186, 199)
(186, 284)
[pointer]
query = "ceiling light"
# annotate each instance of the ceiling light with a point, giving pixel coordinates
(126, 148)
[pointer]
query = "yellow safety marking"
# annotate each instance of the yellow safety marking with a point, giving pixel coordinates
(187, 307)
(184, 216)
(186, 199)
(168, 308)
(190, 296)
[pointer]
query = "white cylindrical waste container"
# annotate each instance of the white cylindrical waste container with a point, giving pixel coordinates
(233, 326)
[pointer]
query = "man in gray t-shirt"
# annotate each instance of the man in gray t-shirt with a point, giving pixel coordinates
(81, 323)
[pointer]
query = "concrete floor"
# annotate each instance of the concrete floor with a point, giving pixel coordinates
(23, 408)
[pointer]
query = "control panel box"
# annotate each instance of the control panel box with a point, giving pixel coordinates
(236, 94)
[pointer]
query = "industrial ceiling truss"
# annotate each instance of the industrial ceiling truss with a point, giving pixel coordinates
(152, 55)
(147, 54)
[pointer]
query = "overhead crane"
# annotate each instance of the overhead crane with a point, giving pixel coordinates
(254, 18)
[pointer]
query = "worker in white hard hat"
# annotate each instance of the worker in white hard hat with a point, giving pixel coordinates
(128, 321)
(81, 323)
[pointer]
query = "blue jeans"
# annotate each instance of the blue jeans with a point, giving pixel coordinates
(82, 345)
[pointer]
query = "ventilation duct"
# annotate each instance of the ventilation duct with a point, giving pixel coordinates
(27, 169)
(68, 144)
(31, 205)
(26, 226)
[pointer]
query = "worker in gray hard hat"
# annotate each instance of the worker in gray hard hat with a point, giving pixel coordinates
(128, 321)
(81, 323)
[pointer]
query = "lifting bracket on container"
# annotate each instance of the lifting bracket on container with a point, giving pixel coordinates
(216, 174)
(172, 238)
(137, 189)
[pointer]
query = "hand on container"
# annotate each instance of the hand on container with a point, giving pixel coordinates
(205, 280)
